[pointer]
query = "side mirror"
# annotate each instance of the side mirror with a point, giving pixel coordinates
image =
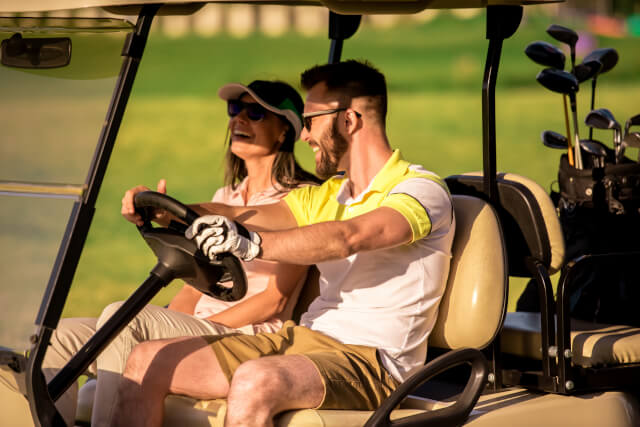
(37, 52)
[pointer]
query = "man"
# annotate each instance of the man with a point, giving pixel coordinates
(380, 233)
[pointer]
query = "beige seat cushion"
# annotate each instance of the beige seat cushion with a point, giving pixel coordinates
(14, 408)
(514, 406)
(473, 305)
(592, 344)
(184, 411)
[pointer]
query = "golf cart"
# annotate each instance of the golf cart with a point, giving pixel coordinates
(505, 223)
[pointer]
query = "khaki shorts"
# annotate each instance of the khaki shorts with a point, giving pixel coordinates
(353, 376)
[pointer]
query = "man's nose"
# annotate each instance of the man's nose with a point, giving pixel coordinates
(304, 135)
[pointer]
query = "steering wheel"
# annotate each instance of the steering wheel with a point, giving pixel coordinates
(180, 258)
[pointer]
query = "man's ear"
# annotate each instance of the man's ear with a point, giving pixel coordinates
(352, 121)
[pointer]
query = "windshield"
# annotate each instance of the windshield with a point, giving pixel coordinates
(50, 121)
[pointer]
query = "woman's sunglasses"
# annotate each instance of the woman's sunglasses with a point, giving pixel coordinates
(255, 111)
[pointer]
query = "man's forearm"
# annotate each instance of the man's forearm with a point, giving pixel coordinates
(325, 241)
(309, 245)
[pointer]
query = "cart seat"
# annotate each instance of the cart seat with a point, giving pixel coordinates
(514, 406)
(592, 344)
(535, 247)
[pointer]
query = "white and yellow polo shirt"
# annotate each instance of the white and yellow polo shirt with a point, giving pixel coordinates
(386, 298)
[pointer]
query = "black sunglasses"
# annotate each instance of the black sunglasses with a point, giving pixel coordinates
(307, 117)
(255, 111)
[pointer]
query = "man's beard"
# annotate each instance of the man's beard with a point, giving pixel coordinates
(332, 147)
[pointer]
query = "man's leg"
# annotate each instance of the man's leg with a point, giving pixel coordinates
(70, 335)
(186, 366)
(260, 388)
(264, 387)
(151, 323)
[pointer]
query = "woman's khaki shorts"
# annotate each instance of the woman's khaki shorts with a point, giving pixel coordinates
(353, 376)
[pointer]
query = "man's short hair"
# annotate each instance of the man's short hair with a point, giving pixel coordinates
(350, 79)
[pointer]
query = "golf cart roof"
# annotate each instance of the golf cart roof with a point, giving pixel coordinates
(340, 6)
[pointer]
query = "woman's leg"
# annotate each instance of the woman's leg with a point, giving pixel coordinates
(69, 337)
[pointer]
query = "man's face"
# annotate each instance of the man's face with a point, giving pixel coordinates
(322, 132)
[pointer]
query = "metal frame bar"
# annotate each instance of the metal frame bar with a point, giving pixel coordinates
(41, 404)
(502, 23)
(341, 27)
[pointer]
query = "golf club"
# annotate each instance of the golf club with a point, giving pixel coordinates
(603, 119)
(596, 149)
(587, 70)
(567, 36)
(553, 139)
(608, 57)
(566, 83)
(633, 121)
(546, 54)
(632, 140)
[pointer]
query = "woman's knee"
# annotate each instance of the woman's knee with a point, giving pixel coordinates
(108, 312)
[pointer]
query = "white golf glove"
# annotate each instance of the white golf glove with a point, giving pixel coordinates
(216, 234)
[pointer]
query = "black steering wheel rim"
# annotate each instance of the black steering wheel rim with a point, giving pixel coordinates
(170, 244)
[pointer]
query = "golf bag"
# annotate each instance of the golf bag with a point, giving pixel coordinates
(599, 210)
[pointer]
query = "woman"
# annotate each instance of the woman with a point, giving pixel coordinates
(264, 123)
(260, 168)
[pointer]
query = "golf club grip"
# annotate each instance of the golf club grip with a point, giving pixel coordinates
(154, 199)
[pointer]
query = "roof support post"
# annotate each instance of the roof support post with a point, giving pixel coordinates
(42, 406)
(341, 27)
(502, 23)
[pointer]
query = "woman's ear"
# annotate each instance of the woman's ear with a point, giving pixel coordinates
(283, 133)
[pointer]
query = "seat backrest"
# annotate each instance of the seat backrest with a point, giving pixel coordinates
(528, 218)
(473, 306)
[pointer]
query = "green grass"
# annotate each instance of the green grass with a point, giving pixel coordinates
(175, 124)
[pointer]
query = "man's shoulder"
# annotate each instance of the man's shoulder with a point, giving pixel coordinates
(415, 175)
(329, 186)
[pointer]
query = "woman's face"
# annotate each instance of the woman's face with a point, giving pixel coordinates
(255, 138)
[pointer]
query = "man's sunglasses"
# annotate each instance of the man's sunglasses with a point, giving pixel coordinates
(309, 116)
(255, 111)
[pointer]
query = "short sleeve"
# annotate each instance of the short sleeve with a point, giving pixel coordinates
(298, 201)
(424, 203)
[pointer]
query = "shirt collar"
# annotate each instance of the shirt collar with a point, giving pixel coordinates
(266, 193)
(395, 165)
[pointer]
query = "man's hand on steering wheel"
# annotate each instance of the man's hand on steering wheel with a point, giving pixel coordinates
(216, 234)
(128, 210)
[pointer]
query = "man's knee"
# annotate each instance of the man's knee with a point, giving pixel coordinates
(140, 361)
(258, 382)
(253, 393)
